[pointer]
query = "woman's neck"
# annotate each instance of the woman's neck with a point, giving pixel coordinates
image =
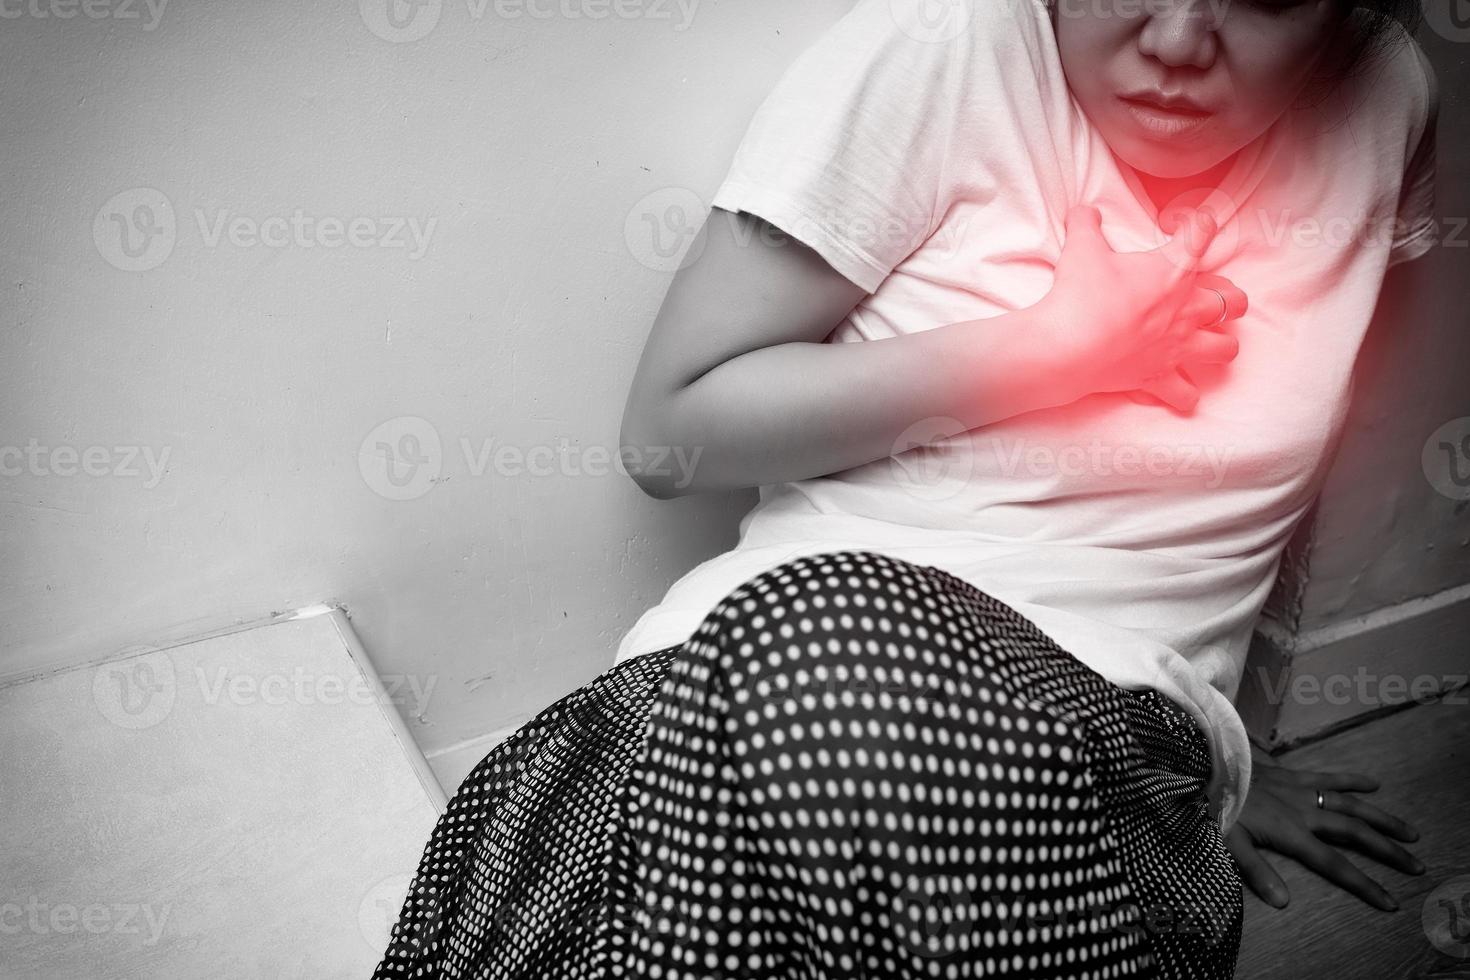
(1163, 190)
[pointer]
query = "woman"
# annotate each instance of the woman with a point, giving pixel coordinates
(959, 701)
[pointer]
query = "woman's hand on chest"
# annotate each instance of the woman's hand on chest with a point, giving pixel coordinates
(1126, 321)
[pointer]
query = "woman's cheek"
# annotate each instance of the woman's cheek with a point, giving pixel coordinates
(1276, 54)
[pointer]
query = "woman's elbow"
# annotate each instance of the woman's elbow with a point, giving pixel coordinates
(659, 486)
(648, 458)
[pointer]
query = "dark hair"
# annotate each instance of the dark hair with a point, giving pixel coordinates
(1361, 47)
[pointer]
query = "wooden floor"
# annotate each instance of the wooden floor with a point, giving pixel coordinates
(1421, 755)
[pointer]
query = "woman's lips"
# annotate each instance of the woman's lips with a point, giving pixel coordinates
(1168, 124)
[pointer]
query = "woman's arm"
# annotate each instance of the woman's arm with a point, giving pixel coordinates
(735, 375)
(735, 369)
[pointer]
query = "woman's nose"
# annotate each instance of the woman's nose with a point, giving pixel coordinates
(1182, 32)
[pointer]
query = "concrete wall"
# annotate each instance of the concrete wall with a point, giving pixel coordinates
(235, 394)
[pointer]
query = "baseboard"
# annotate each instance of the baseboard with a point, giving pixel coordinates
(1304, 687)
(453, 763)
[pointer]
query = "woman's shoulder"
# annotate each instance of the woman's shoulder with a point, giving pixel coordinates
(1396, 86)
(1411, 75)
(1430, 92)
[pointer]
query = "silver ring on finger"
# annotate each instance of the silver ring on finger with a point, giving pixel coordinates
(1321, 801)
(1224, 306)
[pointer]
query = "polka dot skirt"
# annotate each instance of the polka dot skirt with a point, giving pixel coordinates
(857, 767)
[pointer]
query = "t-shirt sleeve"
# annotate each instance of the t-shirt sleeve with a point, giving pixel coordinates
(1415, 225)
(847, 152)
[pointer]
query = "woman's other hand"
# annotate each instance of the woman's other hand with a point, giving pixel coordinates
(1129, 320)
(1281, 815)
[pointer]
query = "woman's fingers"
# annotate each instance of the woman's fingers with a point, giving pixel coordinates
(1332, 864)
(1084, 227)
(1203, 309)
(1339, 828)
(1174, 390)
(1209, 347)
(1255, 870)
(1236, 302)
(1387, 823)
(1190, 239)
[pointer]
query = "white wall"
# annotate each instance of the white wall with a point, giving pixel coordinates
(259, 371)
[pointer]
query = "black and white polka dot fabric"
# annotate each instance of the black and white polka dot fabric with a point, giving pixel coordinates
(857, 767)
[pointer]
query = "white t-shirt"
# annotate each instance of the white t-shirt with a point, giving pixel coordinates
(936, 172)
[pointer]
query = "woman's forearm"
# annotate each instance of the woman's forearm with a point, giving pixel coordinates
(799, 410)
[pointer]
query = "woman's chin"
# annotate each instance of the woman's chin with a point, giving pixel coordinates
(1170, 163)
